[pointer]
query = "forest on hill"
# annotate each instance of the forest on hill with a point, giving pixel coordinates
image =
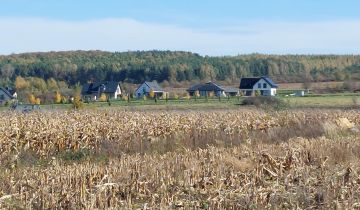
(172, 67)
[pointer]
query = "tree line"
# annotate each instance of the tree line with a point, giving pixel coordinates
(172, 67)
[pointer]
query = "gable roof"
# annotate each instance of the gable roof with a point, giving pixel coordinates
(271, 83)
(110, 87)
(209, 86)
(8, 92)
(11, 91)
(249, 82)
(152, 85)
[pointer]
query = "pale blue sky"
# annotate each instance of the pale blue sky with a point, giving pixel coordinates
(209, 27)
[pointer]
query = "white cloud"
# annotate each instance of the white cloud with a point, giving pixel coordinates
(35, 34)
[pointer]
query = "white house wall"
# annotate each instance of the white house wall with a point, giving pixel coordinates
(268, 88)
(273, 91)
(118, 92)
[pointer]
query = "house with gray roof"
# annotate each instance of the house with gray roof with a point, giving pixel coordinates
(211, 87)
(93, 91)
(7, 94)
(145, 88)
(266, 87)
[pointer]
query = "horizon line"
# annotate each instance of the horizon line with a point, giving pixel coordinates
(182, 51)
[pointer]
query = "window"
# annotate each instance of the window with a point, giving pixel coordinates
(264, 85)
(2, 97)
(259, 85)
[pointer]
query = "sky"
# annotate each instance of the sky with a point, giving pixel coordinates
(207, 27)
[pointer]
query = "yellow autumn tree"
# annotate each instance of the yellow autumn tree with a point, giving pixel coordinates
(186, 96)
(197, 94)
(38, 101)
(57, 97)
(125, 97)
(52, 84)
(103, 97)
(77, 103)
(21, 83)
(211, 94)
(63, 99)
(151, 93)
(32, 99)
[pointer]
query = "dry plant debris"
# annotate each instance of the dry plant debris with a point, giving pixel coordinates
(299, 172)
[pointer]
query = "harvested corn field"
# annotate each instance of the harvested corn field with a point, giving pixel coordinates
(102, 159)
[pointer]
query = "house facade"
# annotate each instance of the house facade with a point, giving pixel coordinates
(145, 88)
(93, 91)
(211, 87)
(7, 94)
(264, 85)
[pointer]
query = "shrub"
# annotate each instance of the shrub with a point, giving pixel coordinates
(103, 97)
(32, 99)
(37, 101)
(210, 94)
(173, 95)
(64, 100)
(151, 93)
(186, 96)
(77, 156)
(77, 103)
(266, 102)
(197, 94)
(57, 97)
(125, 97)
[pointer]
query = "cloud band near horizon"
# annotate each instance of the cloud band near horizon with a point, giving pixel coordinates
(21, 35)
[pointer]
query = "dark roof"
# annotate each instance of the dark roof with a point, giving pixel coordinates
(154, 86)
(249, 82)
(110, 87)
(85, 88)
(209, 86)
(8, 92)
(194, 88)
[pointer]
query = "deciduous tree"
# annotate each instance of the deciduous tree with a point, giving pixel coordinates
(57, 97)
(21, 83)
(151, 93)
